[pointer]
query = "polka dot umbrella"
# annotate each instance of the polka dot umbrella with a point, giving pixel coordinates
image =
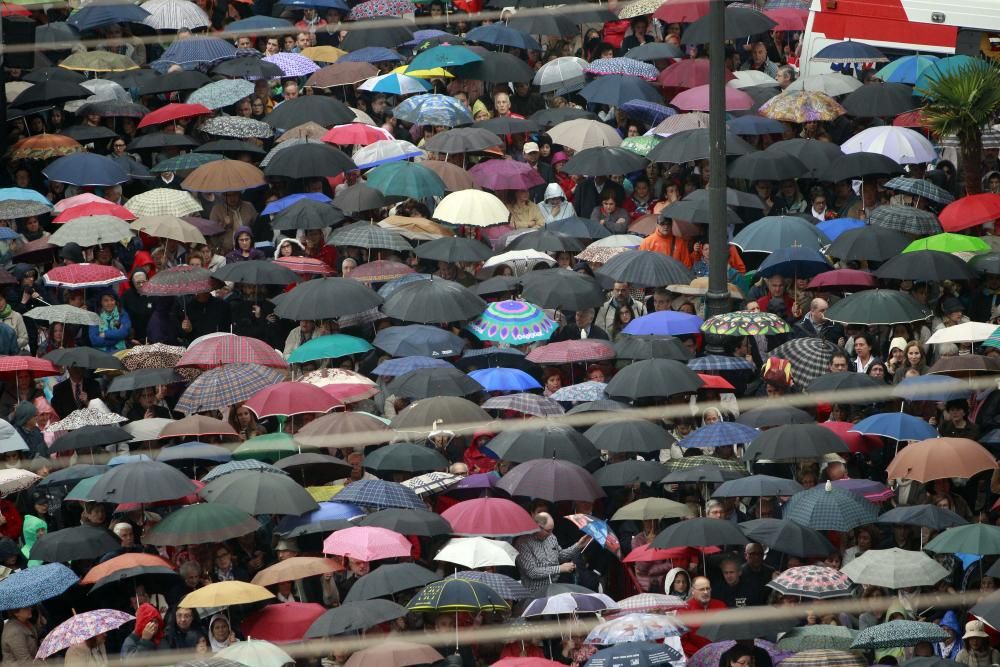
(512, 322)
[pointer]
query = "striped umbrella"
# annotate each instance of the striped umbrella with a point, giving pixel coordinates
(292, 64)
(195, 50)
(222, 387)
(825, 658)
(174, 15)
(906, 219)
(179, 281)
(572, 351)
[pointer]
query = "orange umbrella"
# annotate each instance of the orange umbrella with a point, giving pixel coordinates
(415, 229)
(293, 569)
(44, 146)
(224, 176)
(939, 458)
(123, 562)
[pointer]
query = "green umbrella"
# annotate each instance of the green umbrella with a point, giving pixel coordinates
(810, 637)
(745, 323)
(640, 145)
(949, 242)
(975, 538)
(406, 179)
(202, 523)
(260, 493)
(331, 346)
(878, 306)
(268, 448)
(185, 162)
(82, 489)
(454, 595)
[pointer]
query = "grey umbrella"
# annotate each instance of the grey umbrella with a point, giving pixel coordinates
(449, 410)
(651, 347)
(326, 298)
(454, 249)
(895, 568)
(551, 479)
(430, 382)
(643, 268)
(307, 214)
(653, 378)
(787, 537)
(432, 301)
(629, 435)
(389, 579)
(927, 516)
(463, 140)
(364, 234)
(355, 617)
(566, 290)
(794, 442)
(561, 442)
(361, 197)
(141, 482)
(258, 493)
(756, 486)
(693, 145)
(700, 532)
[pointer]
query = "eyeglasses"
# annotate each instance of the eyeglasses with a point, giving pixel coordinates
(119, 145)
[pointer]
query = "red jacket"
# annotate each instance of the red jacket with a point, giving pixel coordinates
(691, 640)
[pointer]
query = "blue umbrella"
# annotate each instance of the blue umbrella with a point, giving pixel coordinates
(259, 23)
(396, 84)
(419, 36)
(432, 109)
(895, 425)
(931, 388)
(380, 494)
(86, 169)
(906, 69)
(943, 66)
(194, 51)
(798, 262)
(719, 434)
(616, 89)
(122, 459)
(499, 34)
(26, 588)
(649, 113)
(837, 226)
(504, 379)
(318, 4)
(190, 451)
(23, 194)
(718, 363)
(95, 16)
(445, 55)
(397, 367)
(279, 205)
(753, 125)
(664, 323)
(372, 54)
(8, 234)
(326, 512)
(419, 340)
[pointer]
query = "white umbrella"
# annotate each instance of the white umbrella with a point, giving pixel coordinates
(147, 429)
(559, 73)
(104, 91)
(967, 332)
(477, 552)
(174, 15)
(751, 77)
(91, 230)
(831, 84)
(255, 653)
(902, 144)
(384, 152)
(520, 261)
(472, 207)
(581, 133)
(895, 568)
(10, 439)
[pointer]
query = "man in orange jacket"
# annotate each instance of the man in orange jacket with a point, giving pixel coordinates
(662, 240)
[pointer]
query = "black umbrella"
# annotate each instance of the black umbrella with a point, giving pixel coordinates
(326, 298)
(309, 160)
(734, 198)
(361, 197)
(694, 145)
(496, 285)
(73, 474)
(548, 117)
(320, 109)
(926, 516)
(307, 214)
(408, 522)
(429, 382)
(546, 23)
(558, 288)
(448, 409)
(160, 140)
(545, 442)
(257, 272)
(644, 268)
(355, 616)
(653, 378)
(617, 89)
(77, 543)
(113, 109)
(92, 436)
(86, 134)
(843, 381)
(699, 532)
(228, 146)
(495, 67)
(651, 51)
(386, 32)
(697, 211)
(248, 68)
(787, 536)
(257, 493)
(142, 378)
(769, 417)
(473, 360)
(405, 457)
(435, 300)
(418, 340)
(925, 265)
(740, 23)
(140, 482)
(627, 473)
(629, 435)
(544, 240)
(174, 81)
(506, 125)
(859, 165)
(986, 265)
(651, 347)
(50, 93)
(602, 405)
(771, 166)
(706, 473)
(869, 243)
(794, 442)
(43, 74)
(463, 140)
(881, 100)
(757, 486)
(133, 78)
(84, 357)
(749, 629)
(389, 579)
(604, 161)
(454, 249)
(816, 155)
(577, 227)
(312, 469)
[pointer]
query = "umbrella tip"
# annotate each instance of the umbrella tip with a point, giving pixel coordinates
(829, 485)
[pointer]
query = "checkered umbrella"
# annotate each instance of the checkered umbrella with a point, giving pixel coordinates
(829, 508)
(650, 602)
(528, 404)
(364, 234)
(164, 201)
(717, 363)
(185, 162)
(572, 351)
(431, 482)
(813, 581)
(219, 94)
(508, 588)
(689, 462)
(380, 494)
(920, 188)
(26, 588)
(292, 64)
(810, 358)
(91, 230)
(237, 127)
(719, 435)
(906, 219)
(193, 51)
(222, 387)
(228, 349)
(80, 276)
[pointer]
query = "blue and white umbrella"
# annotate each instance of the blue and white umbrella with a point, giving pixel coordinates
(194, 51)
(279, 205)
(499, 34)
(26, 588)
(292, 64)
(97, 15)
(372, 54)
(504, 379)
(895, 425)
(380, 494)
(220, 94)
(174, 15)
(385, 152)
(432, 109)
(397, 367)
(584, 391)
(623, 66)
(650, 113)
(719, 434)
(395, 84)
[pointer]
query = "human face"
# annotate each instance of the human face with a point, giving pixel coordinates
(302, 41)
(118, 146)
(759, 54)
(864, 541)
(244, 416)
(291, 91)
(220, 630)
(641, 191)
(553, 383)
(715, 512)
(223, 558)
(244, 240)
(913, 355)
(819, 203)
(501, 102)
(702, 590)
(862, 348)
(620, 292)
(596, 375)
(712, 418)
(127, 537)
(272, 46)
(245, 109)
(755, 556)
(183, 617)
(731, 573)
(108, 303)
(625, 314)
(742, 661)
(838, 365)
(289, 42)
(660, 302)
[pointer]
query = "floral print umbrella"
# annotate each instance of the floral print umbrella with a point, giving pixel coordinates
(379, 8)
(80, 628)
(636, 628)
(623, 66)
(85, 417)
(813, 581)
(802, 107)
(745, 323)
(708, 656)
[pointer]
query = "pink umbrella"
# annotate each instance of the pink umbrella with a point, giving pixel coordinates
(687, 73)
(78, 200)
(358, 134)
(696, 99)
(367, 543)
(788, 18)
(80, 628)
(572, 351)
(291, 398)
(505, 175)
(843, 279)
(493, 517)
(229, 349)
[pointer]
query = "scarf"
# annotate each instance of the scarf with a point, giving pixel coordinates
(5, 313)
(106, 319)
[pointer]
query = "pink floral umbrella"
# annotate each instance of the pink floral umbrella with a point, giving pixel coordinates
(80, 628)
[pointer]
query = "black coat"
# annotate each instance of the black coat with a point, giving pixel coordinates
(63, 401)
(139, 309)
(211, 316)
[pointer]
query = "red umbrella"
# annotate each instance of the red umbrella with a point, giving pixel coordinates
(179, 281)
(358, 134)
(788, 18)
(305, 266)
(696, 99)
(682, 11)
(493, 517)
(572, 351)
(95, 208)
(970, 211)
(282, 623)
(79, 276)
(910, 119)
(291, 398)
(173, 111)
(11, 366)
(856, 442)
(647, 554)
(687, 73)
(848, 279)
(715, 382)
(221, 350)
(10, 9)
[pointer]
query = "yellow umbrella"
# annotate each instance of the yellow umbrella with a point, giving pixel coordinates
(323, 54)
(472, 207)
(433, 73)
(98, 61)
(416, 229)
(321, 494)
(225, 593)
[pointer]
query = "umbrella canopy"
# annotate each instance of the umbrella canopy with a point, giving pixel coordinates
(516, 322)
(652, 378)
(938, 458)
(549, 441)
(895, 568)
(551, 479)
(26, 588)
(787, 536)
(899, 633)
(812, 581)
(829, 508)
(202, 523)
(77, 543)
(141, 482)
(433, 300)
(81, 627)
(259, 493)
(825, 658)
(456, 595)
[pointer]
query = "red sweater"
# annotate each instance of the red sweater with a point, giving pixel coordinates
(691, 640)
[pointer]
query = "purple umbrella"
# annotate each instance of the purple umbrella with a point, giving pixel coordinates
(505, 175)
(664, 323)
(875, 492)
(80, 628)
(292, 64)
(708, 656)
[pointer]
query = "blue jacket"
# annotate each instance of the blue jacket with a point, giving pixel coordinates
(114, 336)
